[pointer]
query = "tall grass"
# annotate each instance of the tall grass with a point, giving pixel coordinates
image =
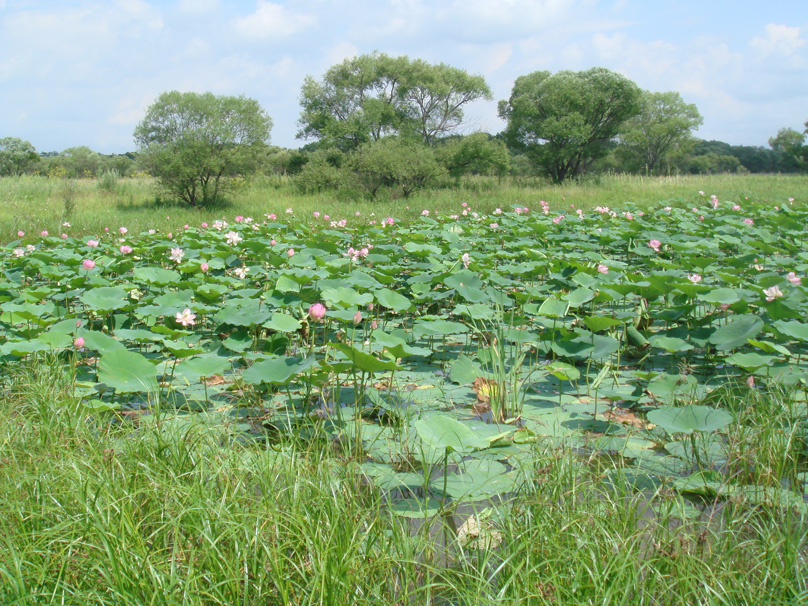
(171, 509)
(35, 203)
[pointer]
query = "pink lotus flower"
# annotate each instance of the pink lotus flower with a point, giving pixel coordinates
(88, 264)
(176, 255)
(289, 211)
(793, 278)
(493, 225)
(736, 207)
(125, 249)
(466, 260)
(316, 214)
(316, 312)
(772, 293)
(424, 213)
(373, 325)
(78, 342)
(603, 269)
(290, 253)
(20, 234)
(750, 382)
(695, 278)
(357, 317)
(44, 232)
(204, 267)
(204, 225)
(273, 242)
(326, 217)
(106, 229)
(655, 244)
(389, 220)
(271, 216)
(92, 243)
(64, 236)
(122, 230)
(186, 317)
(239, 219)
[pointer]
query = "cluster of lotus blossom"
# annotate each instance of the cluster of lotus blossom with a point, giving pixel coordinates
(355, 255)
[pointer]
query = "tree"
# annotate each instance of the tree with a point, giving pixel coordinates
(661, 129)
(370, 97)
(80, 161)
(564, 121)
(16, 156)
(477, 153)
(195, 143)
(394, 164)
(791, 144)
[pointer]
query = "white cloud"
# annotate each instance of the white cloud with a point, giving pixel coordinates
(497, 57)
(197, 7)
(272, 21)
(340, 52)
(779, 39)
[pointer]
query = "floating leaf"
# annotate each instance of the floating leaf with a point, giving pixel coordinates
(689, 419)
(127, 371)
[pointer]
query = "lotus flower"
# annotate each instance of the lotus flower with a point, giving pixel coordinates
(317, 312)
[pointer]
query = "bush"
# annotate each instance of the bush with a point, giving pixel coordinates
(319, 174)
(392, 164)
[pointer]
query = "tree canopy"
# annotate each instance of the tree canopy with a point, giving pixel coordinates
(373, 96)
(791, 144)
(194, 143)
(16, 156)
(662, 128)
(563, 121)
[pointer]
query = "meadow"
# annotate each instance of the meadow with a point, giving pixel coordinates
(500, 393)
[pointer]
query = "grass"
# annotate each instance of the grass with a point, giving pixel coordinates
(32, 204)
(168, 509)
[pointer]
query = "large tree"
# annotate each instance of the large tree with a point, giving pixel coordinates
(195, 143)
(16, 156)
(662, 129)
(563, 121)
(369, 97)
(790, 143)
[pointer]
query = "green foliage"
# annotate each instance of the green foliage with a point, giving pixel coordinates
(563, 121)
(196, 143)
(17, 157)
(373, 96)
(791, 143)
(393, 164)
(477, 153)
(320, 173)
(711, 163)
(662, 130)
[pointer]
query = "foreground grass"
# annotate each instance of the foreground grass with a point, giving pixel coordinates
(33, 204)
(172, 510)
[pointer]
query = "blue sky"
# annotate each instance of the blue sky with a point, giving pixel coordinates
(83, 72)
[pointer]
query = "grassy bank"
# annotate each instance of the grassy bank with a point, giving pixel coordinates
(33, 204)
(170, 510)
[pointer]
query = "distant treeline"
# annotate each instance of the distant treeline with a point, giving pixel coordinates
(381, 125)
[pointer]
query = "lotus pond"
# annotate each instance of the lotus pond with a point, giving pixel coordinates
(435, 355)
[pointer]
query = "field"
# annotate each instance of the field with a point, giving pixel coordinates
(489, 395)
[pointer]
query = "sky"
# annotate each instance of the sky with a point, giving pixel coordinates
(83, 72)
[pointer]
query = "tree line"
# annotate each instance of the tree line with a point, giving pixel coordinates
(381, 125)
